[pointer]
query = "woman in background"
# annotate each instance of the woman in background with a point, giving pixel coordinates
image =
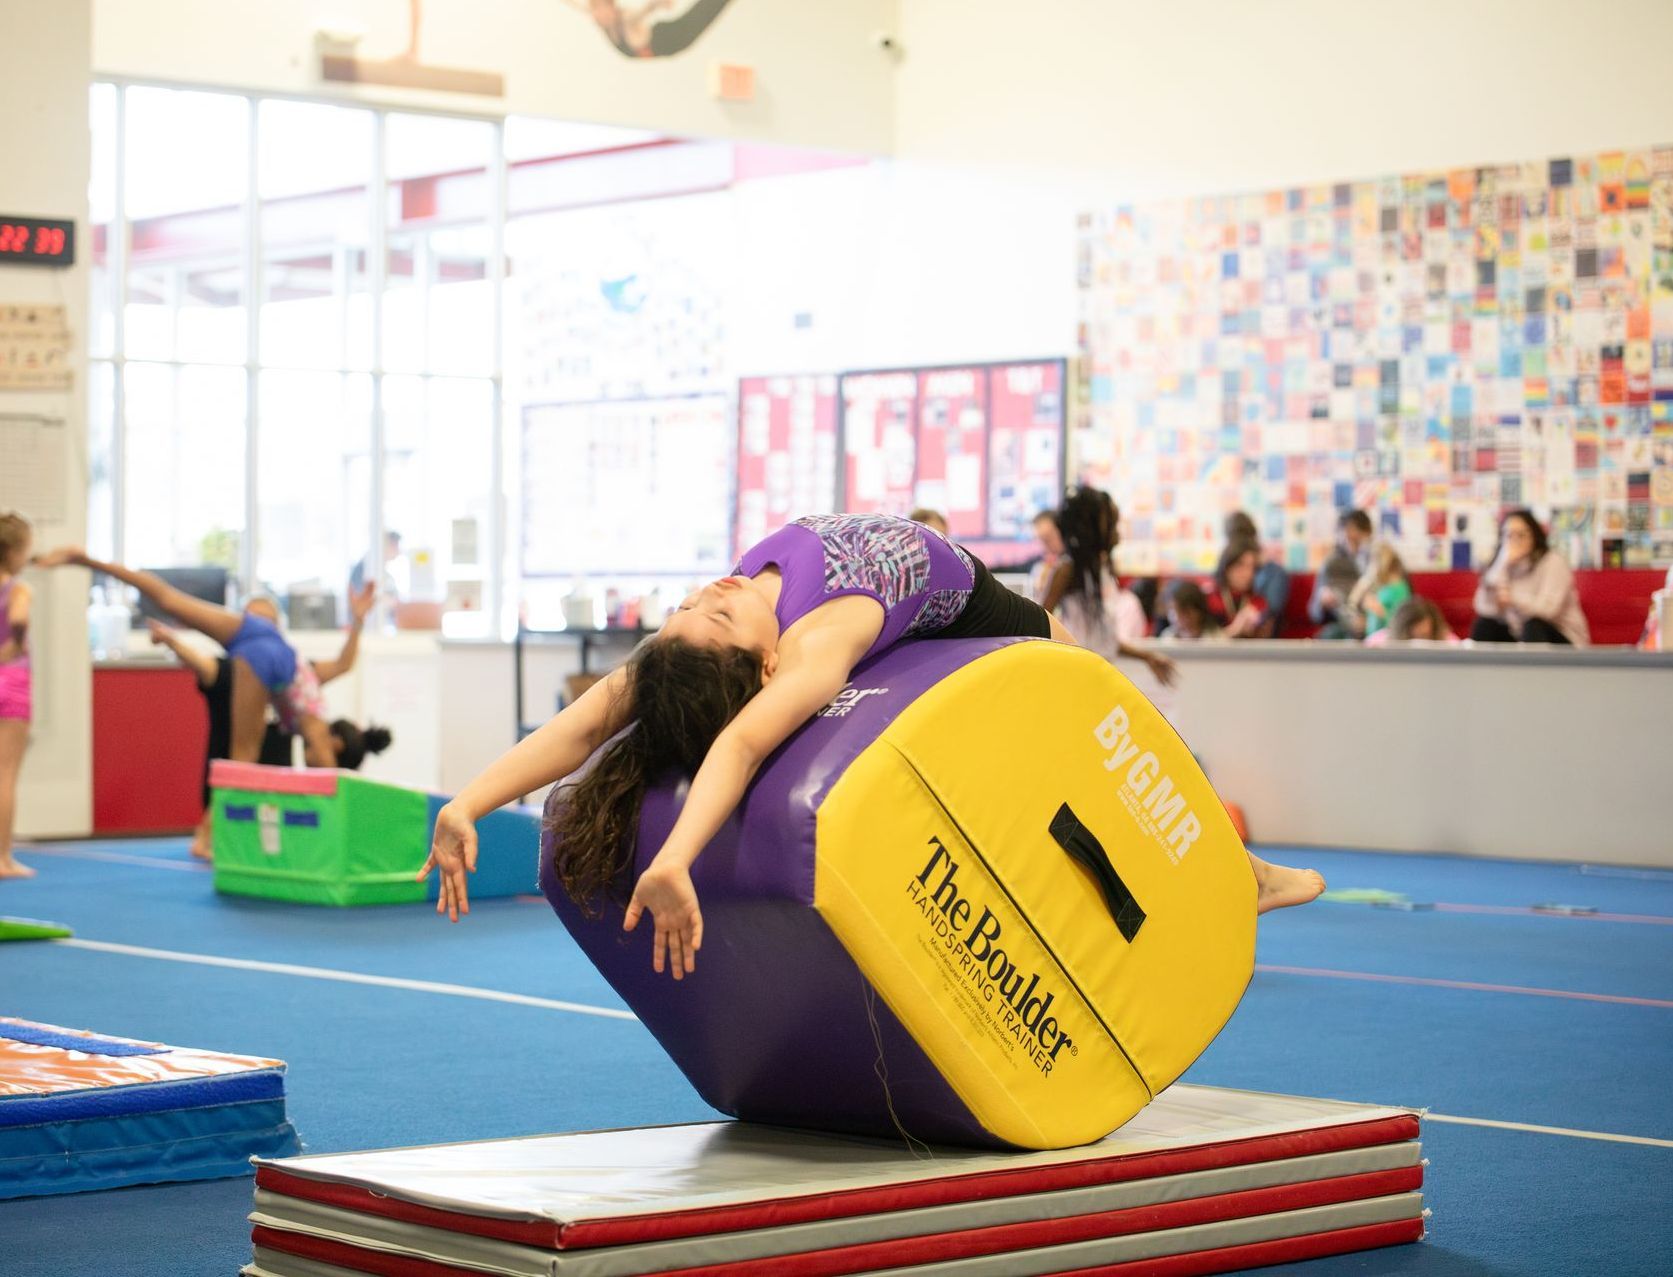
(1527, 594)
(1240, 612)
(1050, 538)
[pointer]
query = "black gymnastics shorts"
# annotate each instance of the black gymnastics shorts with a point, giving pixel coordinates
(995, 612)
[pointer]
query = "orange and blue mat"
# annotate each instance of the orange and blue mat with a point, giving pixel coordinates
(82, 1111)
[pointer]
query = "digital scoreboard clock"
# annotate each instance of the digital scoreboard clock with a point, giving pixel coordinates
(39, 241)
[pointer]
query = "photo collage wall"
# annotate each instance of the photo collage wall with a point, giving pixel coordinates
(1433, 348)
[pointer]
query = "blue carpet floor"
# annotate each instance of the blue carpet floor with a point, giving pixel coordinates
(375, 1066)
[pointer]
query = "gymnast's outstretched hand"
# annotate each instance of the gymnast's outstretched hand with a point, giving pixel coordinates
(665, 889)
(63, 556)
(360, 601)
(453, 855)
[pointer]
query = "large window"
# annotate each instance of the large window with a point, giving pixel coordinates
(358, 398)
(298, 330)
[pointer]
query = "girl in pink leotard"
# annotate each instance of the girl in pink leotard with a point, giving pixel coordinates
(15, 704)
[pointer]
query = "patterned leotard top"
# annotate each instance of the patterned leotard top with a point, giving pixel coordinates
(922, 579)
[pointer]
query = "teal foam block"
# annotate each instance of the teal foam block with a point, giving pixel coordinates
(507, 852)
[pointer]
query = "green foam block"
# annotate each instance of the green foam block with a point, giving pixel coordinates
(32, 929)
(362, 845)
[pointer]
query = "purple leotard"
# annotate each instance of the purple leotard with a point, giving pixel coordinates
(922, 579)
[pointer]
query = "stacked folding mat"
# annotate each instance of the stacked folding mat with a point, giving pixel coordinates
(1203, 1180)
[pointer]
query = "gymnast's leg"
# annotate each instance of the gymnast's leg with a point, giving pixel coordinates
(677, 34)
(249, 713)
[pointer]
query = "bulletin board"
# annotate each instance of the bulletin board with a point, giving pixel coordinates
(879, 441)
(981, 443)
(787, 452)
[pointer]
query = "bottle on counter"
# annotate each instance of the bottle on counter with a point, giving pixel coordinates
(108, 620)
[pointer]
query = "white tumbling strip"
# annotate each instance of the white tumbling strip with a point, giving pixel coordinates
(1568, 1132)
(351, 977)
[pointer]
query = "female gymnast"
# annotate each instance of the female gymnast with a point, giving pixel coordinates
(215, 678)
(265, 667)
(634, 34)
(743, 663)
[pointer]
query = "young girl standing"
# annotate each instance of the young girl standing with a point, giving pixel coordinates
(1083, 589)
(15, 537)
(742, 664)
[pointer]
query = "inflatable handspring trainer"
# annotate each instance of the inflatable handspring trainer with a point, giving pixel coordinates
(985, 897)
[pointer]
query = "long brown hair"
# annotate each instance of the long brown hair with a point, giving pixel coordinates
(682, 696)
(14, 531)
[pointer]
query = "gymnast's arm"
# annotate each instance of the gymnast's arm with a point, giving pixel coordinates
(1057, 586)
(360, 603)
(205, 666)
(788, 700)
(553, 752)
(317, 749)
(558, 748)
(817, 671)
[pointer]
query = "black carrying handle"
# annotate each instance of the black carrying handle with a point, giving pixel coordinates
(1084, 847)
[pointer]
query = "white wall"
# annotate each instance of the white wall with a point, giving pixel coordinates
(1196, 96)
(44, 166)
(1512, 753)
(900, 264)
(820, 79)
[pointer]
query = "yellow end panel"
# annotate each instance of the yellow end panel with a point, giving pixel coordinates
(1009, 740)
(952, 958)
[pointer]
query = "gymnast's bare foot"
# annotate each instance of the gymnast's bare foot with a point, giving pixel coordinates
(10, 868)
(1281, 886)
(201, 847)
